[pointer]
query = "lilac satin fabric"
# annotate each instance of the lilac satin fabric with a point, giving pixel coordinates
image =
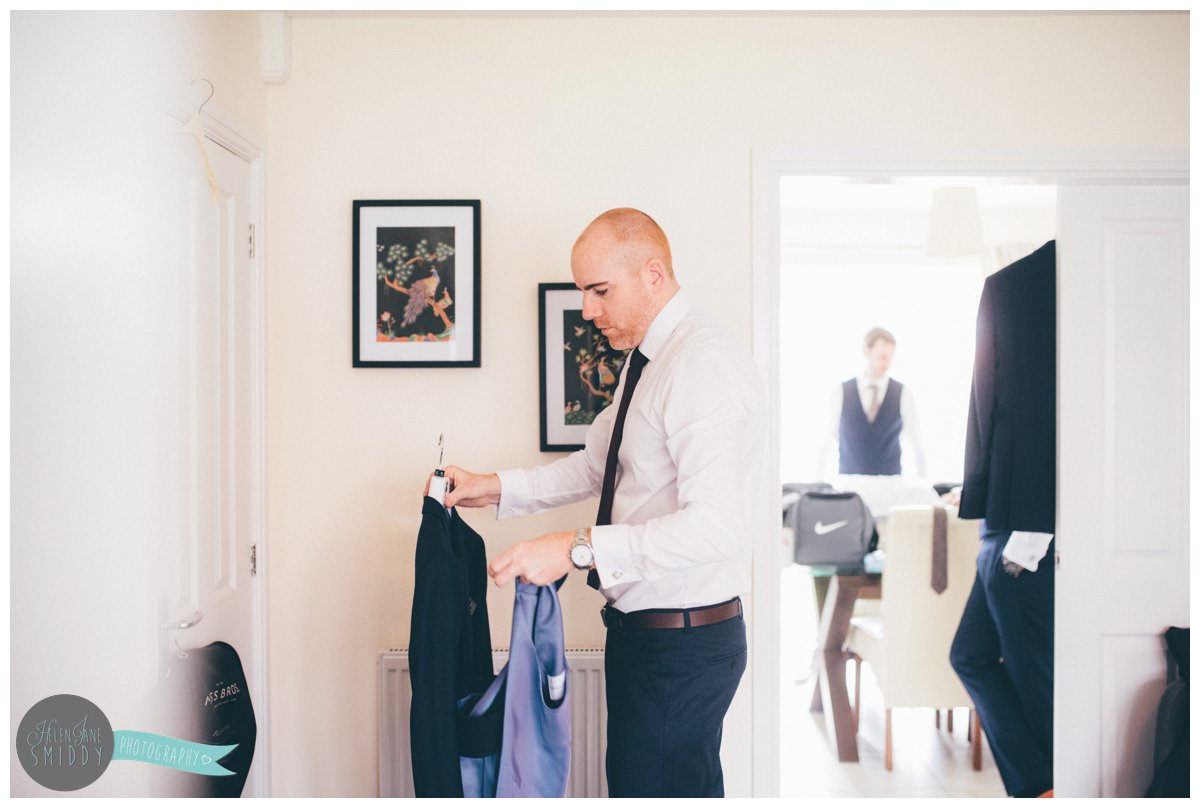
(514, 740)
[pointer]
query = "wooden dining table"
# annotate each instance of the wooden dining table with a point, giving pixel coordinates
(830, 695)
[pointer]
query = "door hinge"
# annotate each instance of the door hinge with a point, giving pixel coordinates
(253, 559)
(251, 241)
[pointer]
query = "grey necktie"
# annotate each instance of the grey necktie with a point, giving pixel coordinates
(938, 578)
(873, 409)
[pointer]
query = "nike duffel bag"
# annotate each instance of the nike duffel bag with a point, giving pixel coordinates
(831, 529)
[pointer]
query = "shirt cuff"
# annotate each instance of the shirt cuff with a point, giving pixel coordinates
(514, 493)
(611, 551)
(1027, 548)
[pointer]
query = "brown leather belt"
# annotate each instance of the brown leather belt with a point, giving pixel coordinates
(672, 618)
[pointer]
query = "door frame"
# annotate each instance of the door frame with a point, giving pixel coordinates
(770, 165)
(224, 130)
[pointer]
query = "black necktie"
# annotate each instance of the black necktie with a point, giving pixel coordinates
(637, 361)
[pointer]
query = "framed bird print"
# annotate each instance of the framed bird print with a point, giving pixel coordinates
(579, 369)
(416, 283)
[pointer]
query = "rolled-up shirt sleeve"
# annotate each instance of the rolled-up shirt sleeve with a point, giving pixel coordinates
(710, 432)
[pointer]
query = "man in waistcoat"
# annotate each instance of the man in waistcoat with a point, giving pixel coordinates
(871, 415)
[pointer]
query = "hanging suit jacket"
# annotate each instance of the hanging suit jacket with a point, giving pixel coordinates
(1009, 478)
(516, 737)
(450, 654)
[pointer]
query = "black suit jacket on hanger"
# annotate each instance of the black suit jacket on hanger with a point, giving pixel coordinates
(450, 646)
(1009, 477)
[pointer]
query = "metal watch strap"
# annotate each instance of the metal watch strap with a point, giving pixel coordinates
(581, 540)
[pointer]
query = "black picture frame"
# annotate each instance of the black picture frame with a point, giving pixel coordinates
(397, 244)
(578, 369)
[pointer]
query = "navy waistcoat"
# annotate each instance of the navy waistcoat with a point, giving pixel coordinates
(868, 447)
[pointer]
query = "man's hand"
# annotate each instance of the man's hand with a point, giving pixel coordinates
(469, 489)
(539, 561)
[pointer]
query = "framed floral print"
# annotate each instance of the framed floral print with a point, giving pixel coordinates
(416, 283)
(579, 369)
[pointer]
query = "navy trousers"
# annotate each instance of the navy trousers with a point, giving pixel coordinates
(668, 691)
(1004, 654)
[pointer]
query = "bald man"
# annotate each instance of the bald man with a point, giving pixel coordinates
(672, 461)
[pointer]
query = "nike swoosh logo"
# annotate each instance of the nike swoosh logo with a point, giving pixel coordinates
(822, 529)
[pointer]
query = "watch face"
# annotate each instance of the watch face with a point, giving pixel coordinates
(581, 555)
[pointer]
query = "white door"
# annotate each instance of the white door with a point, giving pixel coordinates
(214, 593)
(1123, 477)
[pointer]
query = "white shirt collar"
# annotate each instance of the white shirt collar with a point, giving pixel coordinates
(663, 325)
(865, 382)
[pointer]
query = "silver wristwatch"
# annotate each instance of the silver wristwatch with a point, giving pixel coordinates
(581, 550)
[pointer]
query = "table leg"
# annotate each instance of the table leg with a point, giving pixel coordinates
(820, 592)
(835, 623)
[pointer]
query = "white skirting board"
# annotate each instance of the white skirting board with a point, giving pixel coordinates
(589, 722)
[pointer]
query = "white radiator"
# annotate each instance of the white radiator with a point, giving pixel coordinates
(589, 722)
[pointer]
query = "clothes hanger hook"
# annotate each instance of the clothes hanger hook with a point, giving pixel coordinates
(179, 652)
(211, 92)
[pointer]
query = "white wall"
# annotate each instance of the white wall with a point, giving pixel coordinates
(550, 119)
(222, 46)
(95, 400)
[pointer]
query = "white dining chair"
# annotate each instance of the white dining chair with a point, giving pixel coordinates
(907, 644)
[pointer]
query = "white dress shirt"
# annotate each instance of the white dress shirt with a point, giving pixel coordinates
(912, 455)
(689, 463)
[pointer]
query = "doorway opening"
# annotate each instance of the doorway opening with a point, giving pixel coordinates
(908, 254)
